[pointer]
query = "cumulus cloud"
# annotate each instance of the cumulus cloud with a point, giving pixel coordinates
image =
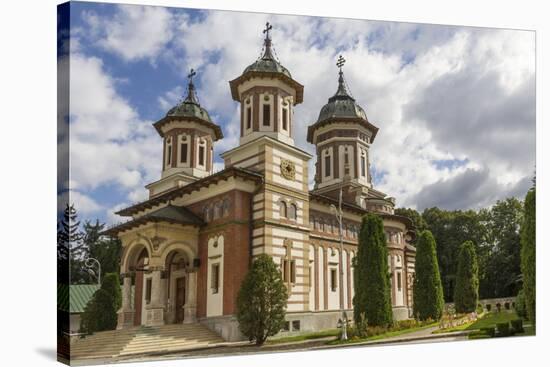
(134, 32)
(455, 105)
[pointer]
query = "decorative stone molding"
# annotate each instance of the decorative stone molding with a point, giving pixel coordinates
(288, 170)
(156, 241)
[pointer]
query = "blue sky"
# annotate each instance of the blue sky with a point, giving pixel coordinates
(455, 105)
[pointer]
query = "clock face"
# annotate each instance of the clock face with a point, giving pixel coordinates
(288, 170)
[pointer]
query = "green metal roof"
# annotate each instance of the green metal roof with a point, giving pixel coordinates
(74, 298)
(341, 104)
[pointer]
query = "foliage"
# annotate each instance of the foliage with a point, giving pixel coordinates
(69, 244)
(503, 329)
(520, 305)
(467, 282)
(418, 221)
(489, 331)
(371, 278)
(528, 254)
(261, 302)
(100, 313)
(427, 289)
(517, 326)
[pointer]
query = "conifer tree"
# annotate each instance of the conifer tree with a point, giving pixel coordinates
(528, 254)
(100, 313)
(371, 278)
(427, 288)
(261, 302)
(467, 282)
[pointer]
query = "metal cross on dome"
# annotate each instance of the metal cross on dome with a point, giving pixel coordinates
(340, 62)
(268, 27)
(191, 74)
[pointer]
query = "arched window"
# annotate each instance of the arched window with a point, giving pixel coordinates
(312, 222)
(206, 213)
(168, 151)
(282, 209)
(226, 207)
(218, 210)
(292, 212)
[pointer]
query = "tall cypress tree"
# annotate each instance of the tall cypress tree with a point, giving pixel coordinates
(427, 288)
(528, 254)
(371, 279)
(467, 281)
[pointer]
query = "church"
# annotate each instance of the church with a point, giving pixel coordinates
(187, 248)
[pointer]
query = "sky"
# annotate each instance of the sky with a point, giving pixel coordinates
(455, 105)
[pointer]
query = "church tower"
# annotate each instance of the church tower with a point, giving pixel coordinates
(342, 136)
(188, 135)
(267, 94)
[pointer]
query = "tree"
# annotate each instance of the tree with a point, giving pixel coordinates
(69, 247)
(467, 282)
(371, 279)
(417, 219)
(106, 250)
(261, 302)
(427, 288)
(528, 254)
(100, 313)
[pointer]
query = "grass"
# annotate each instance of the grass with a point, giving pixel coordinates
(304, 337)
(383, 335)
(491, 319)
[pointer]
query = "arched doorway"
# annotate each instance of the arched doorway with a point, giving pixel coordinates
(177, 286)
(140, 288)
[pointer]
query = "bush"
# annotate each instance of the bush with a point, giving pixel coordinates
(488, 307)
(261, 302)
(506, 305)
(503, 329)
(479, 309)
(427, 288)
(489, 331)
(528, 254)
(498, 307)
(467, 281)
(100, 313)
(517, 326)
(520, 305)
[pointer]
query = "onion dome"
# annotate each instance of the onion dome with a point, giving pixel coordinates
(190, 109)
(267, 66)
(341, 107)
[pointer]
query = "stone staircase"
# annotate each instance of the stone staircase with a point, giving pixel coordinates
(144, 340)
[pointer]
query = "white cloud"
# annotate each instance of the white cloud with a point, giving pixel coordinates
(134, 32)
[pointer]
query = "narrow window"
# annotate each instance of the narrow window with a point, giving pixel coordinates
(201, 155)
(296, 325)
(183, 153)
(293, 271)
(285, 119)
(168, 152)
(327, 165)
(285, 271)
(333, 280)
(282, 209)
(248, 117)
(148, 285)
(267, 117)
(215, 280)
(399, 282)
(292, 211)
(363, 164)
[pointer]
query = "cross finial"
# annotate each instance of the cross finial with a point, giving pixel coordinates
(268, 27)
(340, 62)
(191, 74)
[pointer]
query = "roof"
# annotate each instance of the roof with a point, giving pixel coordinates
(197, 185)
(74, 298)
(341, 107)
(267, 66)
(189, 109)
(170, 213)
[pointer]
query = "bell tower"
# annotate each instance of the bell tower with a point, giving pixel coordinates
(188, 135)
(267, 95)
(342, 136)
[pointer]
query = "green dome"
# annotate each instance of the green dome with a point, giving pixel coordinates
(341, 105)
(190, 107)
(267, 63)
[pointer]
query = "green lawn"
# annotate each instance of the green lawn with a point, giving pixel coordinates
(302, 337)
(491, 319)
(384, 335)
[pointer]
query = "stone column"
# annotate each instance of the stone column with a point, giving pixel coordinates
(190, 307)
(126, 313)
(155, 310)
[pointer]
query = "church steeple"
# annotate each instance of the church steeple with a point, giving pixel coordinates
(267, 94)
(191, 92)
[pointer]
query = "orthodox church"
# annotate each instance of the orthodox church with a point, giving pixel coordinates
(187, 248)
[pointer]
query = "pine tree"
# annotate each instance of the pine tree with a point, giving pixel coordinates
(427, 288)
(69, 247)
(261, 302)
(528, 254)
(371, 278)
(467, 282)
